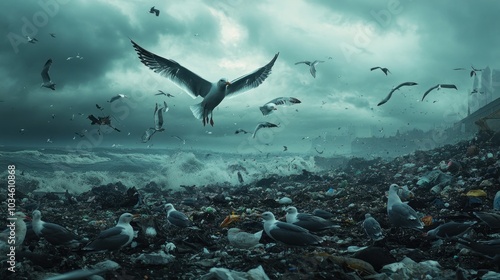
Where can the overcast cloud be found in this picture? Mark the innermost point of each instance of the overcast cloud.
(418, 42)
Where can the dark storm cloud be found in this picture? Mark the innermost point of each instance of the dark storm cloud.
(417, 42)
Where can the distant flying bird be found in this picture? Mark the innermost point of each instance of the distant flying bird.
(49, 141)
(52, 35)
(385, 70)
(160, 92)
(472, 72)
(194, 85)
(77, 57)
(154, 11)
(312, 65)
(99, 107)
(165, 107)
(285, 148)
(394, 89)
(158, 117)
(47, 82)
(183, 140)
(80, 134)
(102, 121)
(116, 97)
(241, 131)
(262, 125)
(272, 105)
(31, 40)
(438, 86)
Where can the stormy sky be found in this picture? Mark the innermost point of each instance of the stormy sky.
(227, 39)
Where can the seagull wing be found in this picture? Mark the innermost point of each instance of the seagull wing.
(262, 125)
(305, 62)
(157, 12)
(374, 68)
(387, 97)
(45, 71)
(429, 90)
(182, 77)
(159, 119)
(114, 98)
(251, 80)
(449, 86)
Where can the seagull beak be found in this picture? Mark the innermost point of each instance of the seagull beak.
(28, 218)
(136, 216)
(228, 83)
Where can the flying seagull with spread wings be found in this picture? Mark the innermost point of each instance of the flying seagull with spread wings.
(312, 66)
(272, 105)
(194, 85)
(393, 90)
(154, 11)
(47, 82)
(263, 125)
(385, 70)
(438, 87)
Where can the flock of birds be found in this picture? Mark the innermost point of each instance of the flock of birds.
(299, 229)
(213, 93)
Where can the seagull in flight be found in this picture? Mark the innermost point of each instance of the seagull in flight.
(154, 11)
(385, 70)
(116, 97)
(31, 40)
(52, 35)
(312, 66)
(438, 87)
(272, 105)
(158, 116)
(241, 131)
(77, 56)
(263, 125)
(160, 92)
(194, 85)
(47, 82)
(394, 89)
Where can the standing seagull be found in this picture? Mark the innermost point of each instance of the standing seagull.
(312, 65)
(116, 237)
(272, 105)
(19, 231)
(262, 125)
(307, 221)
(286, 233)
(47, 82)
(177, 218)
(401, 214)
(394, 89)
(438, 86)
(154, 11)
(372, 228)
(194, 85)
(385, 70)
(53, 233)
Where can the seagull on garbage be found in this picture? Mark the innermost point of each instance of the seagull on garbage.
(116, 237)
(154, 11)
(47, 82)
(177, 218)
(272, 105)
(243, 240)
(372, 228)
(116, 97)
(401, 214)
(194, 85)
(393, 90)
(385, 70)
(286, 233)
(438, 86)
(312, 66)
(263, 125)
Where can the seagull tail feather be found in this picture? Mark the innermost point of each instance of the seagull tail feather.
(197, 110)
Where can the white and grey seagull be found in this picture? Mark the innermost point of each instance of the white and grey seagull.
(262, 125)
(194, 85)
(272, 105)
(47, 82)
(438, 87)
(393, 90)
(312, 66)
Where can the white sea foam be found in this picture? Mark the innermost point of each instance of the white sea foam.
(78, 173)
